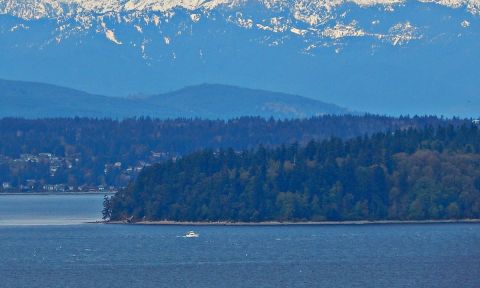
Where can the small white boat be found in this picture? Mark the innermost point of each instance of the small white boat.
(191, 234)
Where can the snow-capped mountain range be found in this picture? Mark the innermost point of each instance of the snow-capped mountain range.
(328, 49)
(312, 20)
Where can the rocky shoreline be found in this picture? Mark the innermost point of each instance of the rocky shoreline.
(286, 223)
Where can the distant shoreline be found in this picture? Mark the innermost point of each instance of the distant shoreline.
(56, 193)
(276, 223)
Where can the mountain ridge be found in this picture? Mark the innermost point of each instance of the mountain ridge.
(244, 100)
(370, 55)
(210, 101)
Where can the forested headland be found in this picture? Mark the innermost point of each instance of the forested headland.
(406, 174)
(81, 154)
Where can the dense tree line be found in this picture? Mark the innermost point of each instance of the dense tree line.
(429, 173)
(91, 144)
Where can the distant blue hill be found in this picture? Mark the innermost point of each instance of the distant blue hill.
(386, 57)
(210, 101)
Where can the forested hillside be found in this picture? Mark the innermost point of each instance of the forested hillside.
(208, 101)
(59, 154)
(429, 173)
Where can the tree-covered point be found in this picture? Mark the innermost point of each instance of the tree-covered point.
(412, 174)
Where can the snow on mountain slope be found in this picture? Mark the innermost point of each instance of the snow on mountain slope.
(371, 55)
(302, 9)
(303, 18)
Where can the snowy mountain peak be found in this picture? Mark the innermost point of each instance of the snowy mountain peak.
(301, 46)
(36, 9)
(317, 23)
(310, 11)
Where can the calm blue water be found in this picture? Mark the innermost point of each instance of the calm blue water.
(50, 209)
(95, 255)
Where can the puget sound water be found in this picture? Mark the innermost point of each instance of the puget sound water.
(43, 243)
